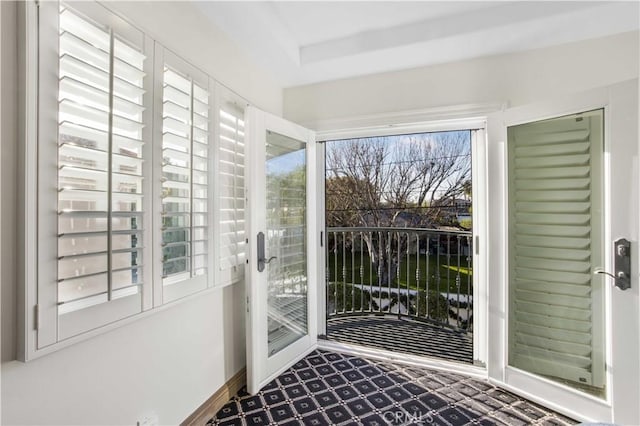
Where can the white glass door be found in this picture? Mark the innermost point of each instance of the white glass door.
(560, 331)
(281, 270)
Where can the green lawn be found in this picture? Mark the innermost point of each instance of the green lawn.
(359, 270)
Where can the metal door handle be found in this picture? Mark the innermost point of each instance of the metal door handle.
(622, 264)
(262, 260)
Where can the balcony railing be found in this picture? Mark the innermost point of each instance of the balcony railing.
(419, 274)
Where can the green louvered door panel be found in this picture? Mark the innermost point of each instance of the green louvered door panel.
(556, 318)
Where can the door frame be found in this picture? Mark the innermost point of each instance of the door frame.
(261, 368)
(463, 117)
(623, 391)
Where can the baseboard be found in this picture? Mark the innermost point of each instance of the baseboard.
(211, 406)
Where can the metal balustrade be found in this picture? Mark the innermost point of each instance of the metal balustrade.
(419, 274)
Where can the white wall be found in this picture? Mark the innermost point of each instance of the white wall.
(171, 361)
(182, 28)
(517, 78)
(167, 364)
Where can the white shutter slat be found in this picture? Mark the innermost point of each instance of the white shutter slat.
(200, 150)
(178, 82)
(200, 94)
(71, 22)
(80, 92)
(230, 169)
(579, 301)
(125, 127)
(78, 48)
(74, 134)
(177, 157)
(546, 321)
(128, 54)
(553, 366)
(201, 123)
(554, 287)
(127, 72)
(553, 344)
(531, 162)
(127, 90)
(552, 196)
(552, 172)
(545, 274)
(552, 184)
(173, 140)
(554, 265)
(78, 266)
(179, 128)
(569, 231)
(552, 311)
(175, 111)
(100, 169)
(553, 150)
(84, 72)
(82, 244)
(200, 108)
(552, 253)
(83, 115)
(77, 178)
(200, 135)
(81, 288)
(185, 180)
(552, 188)
(177, 96)
(82, 200)
(559, 135)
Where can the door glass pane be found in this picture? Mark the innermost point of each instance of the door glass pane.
(556, 302)
(286, 240)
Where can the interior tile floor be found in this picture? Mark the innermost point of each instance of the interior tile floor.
(402, 335)
(328, 388)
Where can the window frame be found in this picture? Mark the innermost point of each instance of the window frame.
(167, 293)
(226, 277)
(54, 327)
(38, 319)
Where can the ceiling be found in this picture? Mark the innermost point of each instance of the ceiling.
(307, 42)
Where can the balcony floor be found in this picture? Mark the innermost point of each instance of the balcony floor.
(401, 335)
(328, 388)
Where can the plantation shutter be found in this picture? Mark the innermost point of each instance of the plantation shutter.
(555, 233)
(100, 197)
(185, 134)
(230, 185)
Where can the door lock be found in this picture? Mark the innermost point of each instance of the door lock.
(621, 264)
(262, 260)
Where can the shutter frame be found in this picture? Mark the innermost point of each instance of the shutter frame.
(168, 101)
(556, 198)
(230, 187)
(68, 240)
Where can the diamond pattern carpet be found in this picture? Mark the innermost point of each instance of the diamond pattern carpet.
(328, 388)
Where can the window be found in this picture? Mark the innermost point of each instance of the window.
(93, 202)
(129, 176)
(231, 196)
(185, 182)
(99, 165)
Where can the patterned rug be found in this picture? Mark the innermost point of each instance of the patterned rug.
(328, 388)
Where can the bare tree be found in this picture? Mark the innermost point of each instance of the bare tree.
(409, 181)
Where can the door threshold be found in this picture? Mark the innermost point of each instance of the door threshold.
(477, 372)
